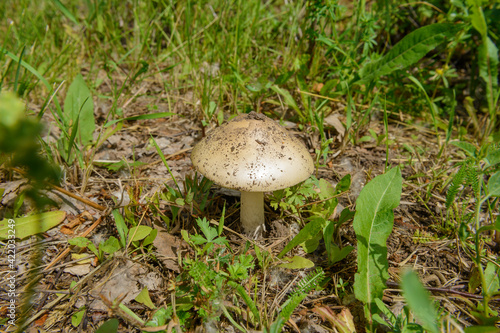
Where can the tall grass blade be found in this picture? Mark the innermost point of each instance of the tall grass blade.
(18, 70)
(65, 11)
(409, 50)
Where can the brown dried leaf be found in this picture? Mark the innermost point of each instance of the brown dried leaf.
(167, 247)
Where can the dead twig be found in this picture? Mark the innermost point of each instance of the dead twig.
(68, 250)
(68, 193)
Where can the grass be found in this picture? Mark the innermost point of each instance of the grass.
(406, 80)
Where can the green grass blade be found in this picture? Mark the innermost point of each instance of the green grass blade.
(164, 160)
(18, 70)
(373, 223)
(29, 68)
(141, 117)
(71, 141)
(37, 75)
(409, 50)
(65, 11)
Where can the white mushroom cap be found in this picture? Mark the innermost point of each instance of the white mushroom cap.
(252, 153)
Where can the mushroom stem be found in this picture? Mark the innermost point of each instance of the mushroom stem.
(252, 211)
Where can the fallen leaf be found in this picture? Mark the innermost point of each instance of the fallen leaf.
(167, 247)
(78, 270)
(40, 321)
(11, 190)
(333, 120)
(125, 282)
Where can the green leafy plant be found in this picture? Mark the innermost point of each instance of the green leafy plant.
(408, 51)
(419, 315)
(210, 276)
(312, 281)
(76, 122)
(373, 223)
(320, 225)
(109, 246)
(478, 174)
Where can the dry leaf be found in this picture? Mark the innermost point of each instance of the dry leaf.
(125, 281)
(333, 120)
(78, 270)
(167, 247)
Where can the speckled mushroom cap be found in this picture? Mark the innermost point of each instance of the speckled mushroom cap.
(252, 153)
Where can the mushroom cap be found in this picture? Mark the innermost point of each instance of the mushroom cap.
(252, 153)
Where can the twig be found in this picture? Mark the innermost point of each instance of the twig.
(444, 290)
(65, 252)
(68, 193)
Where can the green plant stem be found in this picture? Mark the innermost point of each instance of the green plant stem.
(478, 246)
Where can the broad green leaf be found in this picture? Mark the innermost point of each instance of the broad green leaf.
(493, 226)
(138, 233)
(477, 17)
(419, 301)
(288, 99)
(121, 227)
(312, 244)
(160, 317)
(326, 189)
(209, 232)
(77, 317)
(84, 242)
(30, 225)
(79, 241)
(79, 107)
(110, 246)
(491, 279)
(297, 262)
(493, 158)
(488, 62)
(344, 184)
(328, 232)
(468, 148)
(409, 50)
(309, 231)
(151, 237)
(382, 308)
(144, 298)
(494, 185)
(110, 326)
(337, 254)
(373, 223)
(481, 329)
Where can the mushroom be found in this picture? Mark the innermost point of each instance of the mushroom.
(252, 154)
